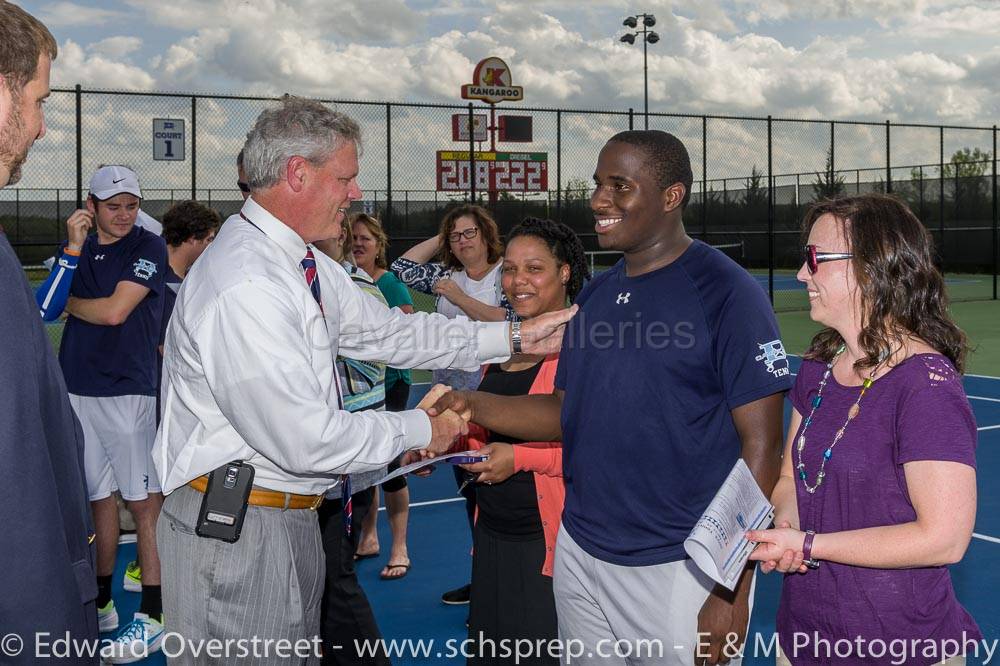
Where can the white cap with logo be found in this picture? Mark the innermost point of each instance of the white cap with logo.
(112, 180)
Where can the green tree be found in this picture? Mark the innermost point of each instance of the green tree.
(828, 184)
(966, 163)
(577, 189)
(754, 194)
(965, 174)
(969, 163)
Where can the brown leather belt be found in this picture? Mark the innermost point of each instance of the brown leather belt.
(271, 498)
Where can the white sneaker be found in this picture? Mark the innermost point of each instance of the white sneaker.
(107, 618)
(137, 640)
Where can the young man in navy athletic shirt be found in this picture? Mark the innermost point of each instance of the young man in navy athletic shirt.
(111, 285)
(670, 372)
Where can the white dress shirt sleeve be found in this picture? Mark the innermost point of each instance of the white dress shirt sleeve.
(258, 368)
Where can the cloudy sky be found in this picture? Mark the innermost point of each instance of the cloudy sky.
(917, 60)
(931, 61)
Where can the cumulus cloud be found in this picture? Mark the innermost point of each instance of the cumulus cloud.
(708, 60)
(86, 65)
(954, 23)
(757, 11)
(69, 14)
(391, 21)
(116, 48)
(711, 58)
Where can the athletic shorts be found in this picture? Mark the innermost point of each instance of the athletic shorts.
(118, 435)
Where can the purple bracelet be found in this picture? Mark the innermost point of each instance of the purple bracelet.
(807, 547)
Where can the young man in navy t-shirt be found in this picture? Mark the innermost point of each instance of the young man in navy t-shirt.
(111, 285)
(671, 371)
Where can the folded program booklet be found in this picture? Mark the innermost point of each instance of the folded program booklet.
(718, 543)
(460, 458)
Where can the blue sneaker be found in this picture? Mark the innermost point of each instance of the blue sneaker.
(137, 640)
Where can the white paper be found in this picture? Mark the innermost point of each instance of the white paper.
(718, 543)
(420, 464)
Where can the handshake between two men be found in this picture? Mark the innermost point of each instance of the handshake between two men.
(451, 411)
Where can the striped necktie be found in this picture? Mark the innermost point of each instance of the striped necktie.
(312, 279)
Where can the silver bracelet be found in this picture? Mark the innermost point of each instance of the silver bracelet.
(515, 336)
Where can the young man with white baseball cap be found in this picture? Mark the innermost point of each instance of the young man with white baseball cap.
(111, 283)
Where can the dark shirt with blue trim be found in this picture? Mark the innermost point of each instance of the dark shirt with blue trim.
(48, 558)
(104, 361)
(652, 367)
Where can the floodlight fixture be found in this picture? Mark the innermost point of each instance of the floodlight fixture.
(648, 37)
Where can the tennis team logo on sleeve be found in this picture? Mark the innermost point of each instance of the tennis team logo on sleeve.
(144, 269)
(774, 357)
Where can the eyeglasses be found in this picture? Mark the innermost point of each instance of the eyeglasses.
(469, 233)
(244, 187)
(813, 259)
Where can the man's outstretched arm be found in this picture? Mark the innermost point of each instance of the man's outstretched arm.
(532, 418)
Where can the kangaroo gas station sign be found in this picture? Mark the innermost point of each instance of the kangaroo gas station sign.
(491, 83)
(492, 170)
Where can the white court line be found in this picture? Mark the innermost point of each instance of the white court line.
(985, 538)
(414, 505)
(981, 376)
(993, 427)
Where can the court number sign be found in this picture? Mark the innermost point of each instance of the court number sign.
(168, 139)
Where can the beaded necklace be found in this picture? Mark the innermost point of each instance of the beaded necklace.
(851, 414)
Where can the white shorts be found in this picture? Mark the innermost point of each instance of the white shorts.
(629, 616)
(118, 435)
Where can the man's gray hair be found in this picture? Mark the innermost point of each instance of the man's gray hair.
(300, 127)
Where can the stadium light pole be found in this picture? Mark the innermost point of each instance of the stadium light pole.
(648, 37)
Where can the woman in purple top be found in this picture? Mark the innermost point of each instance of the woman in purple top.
(878, 484)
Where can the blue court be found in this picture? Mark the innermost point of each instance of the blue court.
(439, 547)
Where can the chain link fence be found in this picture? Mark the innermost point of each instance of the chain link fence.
(753, 177)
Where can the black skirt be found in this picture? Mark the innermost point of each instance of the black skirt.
(511, 600)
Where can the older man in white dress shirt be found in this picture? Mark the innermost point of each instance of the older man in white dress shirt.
(249, 375)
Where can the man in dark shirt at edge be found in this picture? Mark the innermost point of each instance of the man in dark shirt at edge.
(47, 560)
(672, 371)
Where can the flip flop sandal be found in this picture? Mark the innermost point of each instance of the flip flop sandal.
(390, 567)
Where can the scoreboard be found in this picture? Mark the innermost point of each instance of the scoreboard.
(494, 171)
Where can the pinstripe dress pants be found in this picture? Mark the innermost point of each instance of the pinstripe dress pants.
(244, 597)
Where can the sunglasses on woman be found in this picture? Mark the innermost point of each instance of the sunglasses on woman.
(469, 233)
(813, 258)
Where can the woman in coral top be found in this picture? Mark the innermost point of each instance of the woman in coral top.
(519, 493)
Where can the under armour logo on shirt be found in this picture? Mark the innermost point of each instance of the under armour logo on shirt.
(623, 298)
